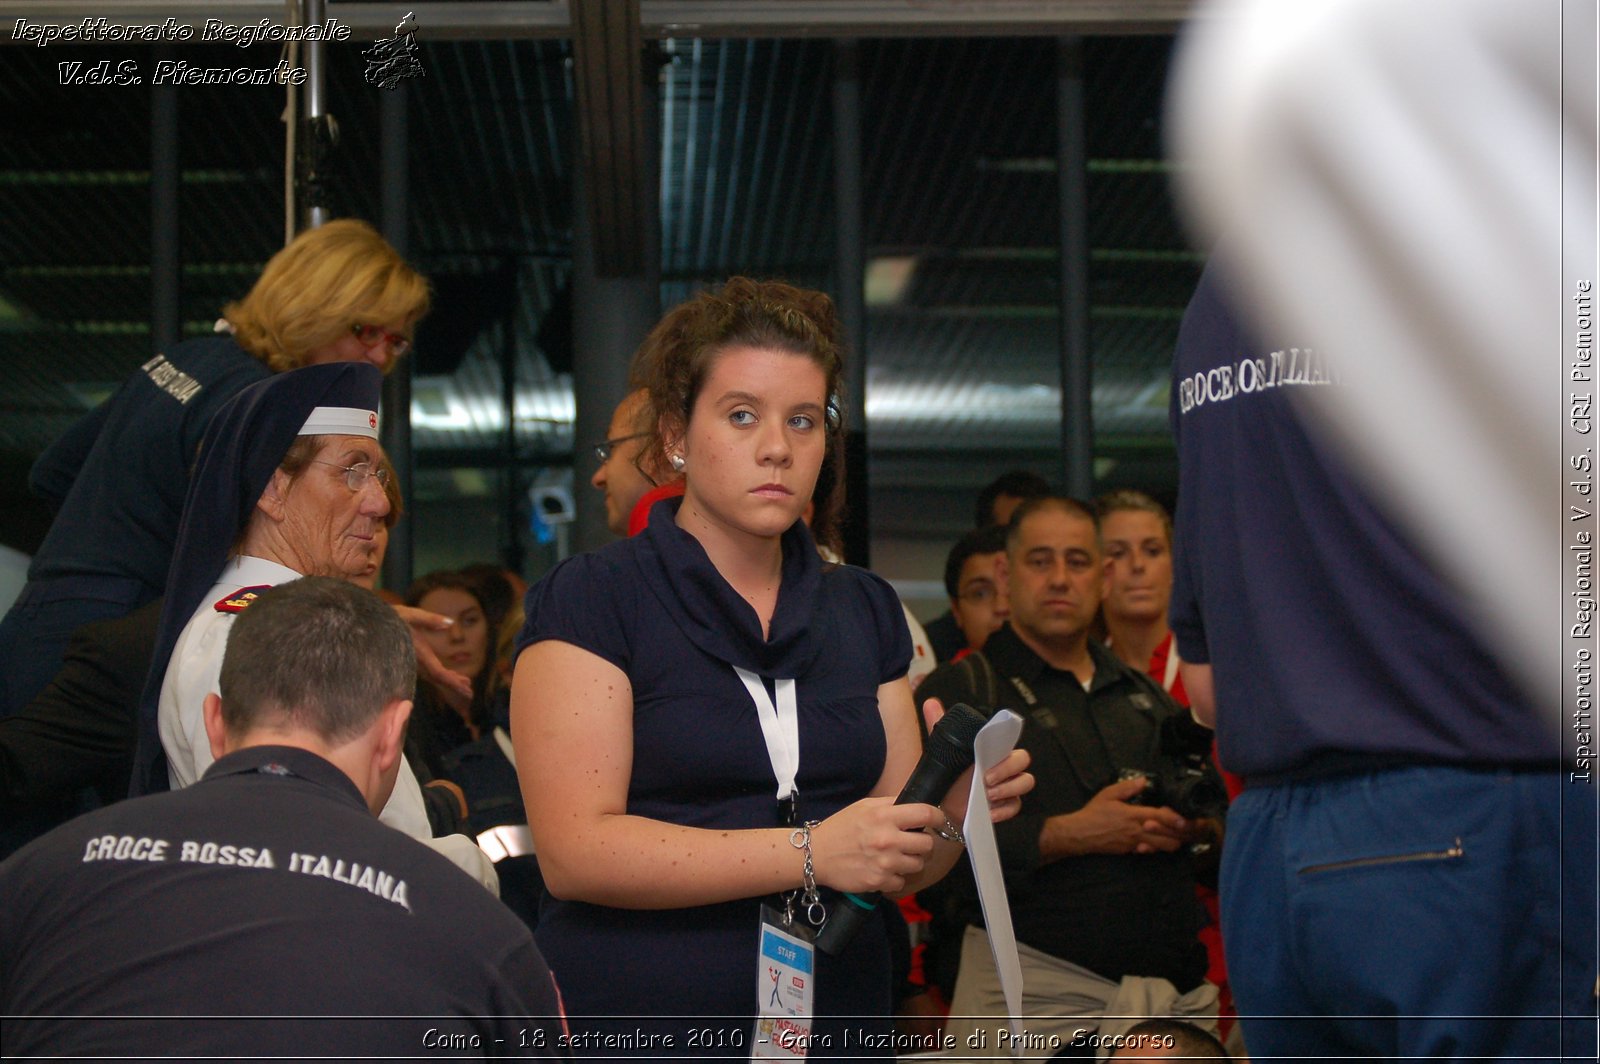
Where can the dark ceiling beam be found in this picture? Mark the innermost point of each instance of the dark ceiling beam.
(1108, 445)
(535, 19)
(493, 457)
(78, 272)
(474, 19)
(909, 18)
(1034, 311)
(103, 327)
(81, 178)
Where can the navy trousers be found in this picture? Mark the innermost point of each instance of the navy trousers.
(1429, 912)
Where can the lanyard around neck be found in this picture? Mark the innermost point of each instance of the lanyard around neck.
(780, 727)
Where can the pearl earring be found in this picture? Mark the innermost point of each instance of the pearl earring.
(676, 462)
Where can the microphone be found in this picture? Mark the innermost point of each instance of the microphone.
(946, 755)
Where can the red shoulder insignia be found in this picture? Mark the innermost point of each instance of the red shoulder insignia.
(241, 598)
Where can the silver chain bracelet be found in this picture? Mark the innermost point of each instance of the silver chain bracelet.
(950, 833)
(800, 839)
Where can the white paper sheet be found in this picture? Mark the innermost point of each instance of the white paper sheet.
(991, 746)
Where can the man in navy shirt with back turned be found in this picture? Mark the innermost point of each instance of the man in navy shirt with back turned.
(1409, 871)
(266, 910)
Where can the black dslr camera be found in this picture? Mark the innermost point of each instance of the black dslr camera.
(1184, 780)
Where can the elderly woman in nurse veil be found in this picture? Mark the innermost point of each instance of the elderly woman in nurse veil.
(289, 483)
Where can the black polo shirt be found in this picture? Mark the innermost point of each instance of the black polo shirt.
(263, 911)
(1115, 914)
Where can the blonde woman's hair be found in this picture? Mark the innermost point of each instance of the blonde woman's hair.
(324, 282)
(1122, 499)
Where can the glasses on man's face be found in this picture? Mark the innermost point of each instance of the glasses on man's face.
(603, 449)
(355, 476)
(371, 335)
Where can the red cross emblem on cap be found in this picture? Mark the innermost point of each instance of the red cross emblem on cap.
(372, 419)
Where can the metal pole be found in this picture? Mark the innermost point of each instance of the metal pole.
(849, 267)
(166, 267)
(1077, 413)
(317, 141)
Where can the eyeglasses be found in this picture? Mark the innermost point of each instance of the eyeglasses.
(370, 335)
(355, 476)
(603, 449)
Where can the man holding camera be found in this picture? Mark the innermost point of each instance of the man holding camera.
(1100, 863)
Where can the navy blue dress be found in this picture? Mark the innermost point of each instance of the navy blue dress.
(655, 607)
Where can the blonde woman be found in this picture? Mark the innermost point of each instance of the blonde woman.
(338, 293)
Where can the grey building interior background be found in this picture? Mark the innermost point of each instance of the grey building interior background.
(981, 185)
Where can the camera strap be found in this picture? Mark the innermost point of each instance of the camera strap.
(990, 697)
(1076, 735)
